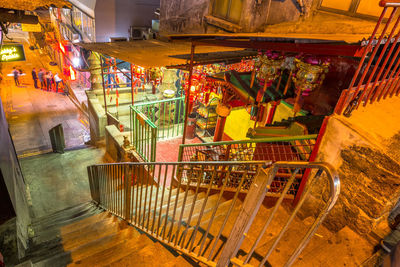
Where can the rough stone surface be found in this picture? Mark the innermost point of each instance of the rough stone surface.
(189, 16)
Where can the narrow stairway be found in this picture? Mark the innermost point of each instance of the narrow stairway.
(86, 235)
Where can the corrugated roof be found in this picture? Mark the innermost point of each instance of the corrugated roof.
(156, 53)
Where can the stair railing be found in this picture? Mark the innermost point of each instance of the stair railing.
(286, 148)
(209, 223)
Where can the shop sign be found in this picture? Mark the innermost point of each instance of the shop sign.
(10, 53)
(31, 27)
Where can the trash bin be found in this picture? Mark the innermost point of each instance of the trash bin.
(57, 139)
(191, 126)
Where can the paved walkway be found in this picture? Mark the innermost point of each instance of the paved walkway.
(58, 181)
(31, 112)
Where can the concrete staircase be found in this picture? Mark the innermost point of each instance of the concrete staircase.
(86, 235)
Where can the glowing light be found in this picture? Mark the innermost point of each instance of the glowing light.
(72, 74)
(192, 88)
(61, 48)
(76, 62)
(9, 54)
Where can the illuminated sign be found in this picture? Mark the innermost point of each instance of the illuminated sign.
(31, 27)
(10, 53)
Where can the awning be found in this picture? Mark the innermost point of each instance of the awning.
(277, 37)
(316, 44)
(156, 53)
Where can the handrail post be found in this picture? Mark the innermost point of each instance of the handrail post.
(128, 190)
(249, 210)
(180, 155)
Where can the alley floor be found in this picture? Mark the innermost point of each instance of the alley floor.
(54, 181)
(58, 181)
(31, 112)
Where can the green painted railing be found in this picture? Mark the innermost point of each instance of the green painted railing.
(290, 148)
(143, 135)
(167, 115)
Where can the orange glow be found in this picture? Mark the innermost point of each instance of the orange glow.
(62, 48)
(72, 74)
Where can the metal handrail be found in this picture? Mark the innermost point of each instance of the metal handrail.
(167, 115)
(157, 101)
(261, 186)
(195, 223)
(261, 140)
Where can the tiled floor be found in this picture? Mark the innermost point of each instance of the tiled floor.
(168, 150)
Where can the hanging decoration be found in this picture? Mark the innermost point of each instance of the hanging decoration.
(310, 73)
(267, 68)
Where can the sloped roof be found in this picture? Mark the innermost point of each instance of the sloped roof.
(156, 53)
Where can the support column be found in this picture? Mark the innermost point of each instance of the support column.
(95, 72)
(219, 129)
(188, 93)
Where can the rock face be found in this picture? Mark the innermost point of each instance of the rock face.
(370, 186)
(369, 172)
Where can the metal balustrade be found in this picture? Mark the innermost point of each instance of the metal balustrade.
(208, 223)
(293, 148)
(378, 74)
(167, 114)
(143, 135)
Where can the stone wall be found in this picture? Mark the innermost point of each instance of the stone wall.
(365, 149)
(188, 16)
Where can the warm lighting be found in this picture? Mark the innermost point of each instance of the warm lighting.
(72, 74)
(76, 62)
(62, 48)
(192, 88)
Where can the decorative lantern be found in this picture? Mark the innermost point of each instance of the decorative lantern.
(310, 74)
(268, 68)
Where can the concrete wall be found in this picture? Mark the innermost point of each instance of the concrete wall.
(187, 16)
(97, 117)
(14, 182)
(114, 17)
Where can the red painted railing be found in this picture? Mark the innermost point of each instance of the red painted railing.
(377, 75)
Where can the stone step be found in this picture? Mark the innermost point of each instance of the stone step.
(114, 253)
(92, 232)
(62, 213)
(103, 243)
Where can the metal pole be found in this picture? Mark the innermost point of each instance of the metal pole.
(188, 92)
(132, 84)
(104, 89)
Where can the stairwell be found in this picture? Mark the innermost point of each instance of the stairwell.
(145, 221)
(86, 235)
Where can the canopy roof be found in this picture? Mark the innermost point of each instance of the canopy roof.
(278, 37)
(316, 44)
(156, 53)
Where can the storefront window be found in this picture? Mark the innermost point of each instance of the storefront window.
(228, 9)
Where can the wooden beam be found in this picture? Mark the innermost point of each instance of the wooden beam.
(315, 49)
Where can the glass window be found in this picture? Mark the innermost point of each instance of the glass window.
(228, 9)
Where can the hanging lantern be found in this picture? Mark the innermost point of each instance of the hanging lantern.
(309, 76)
